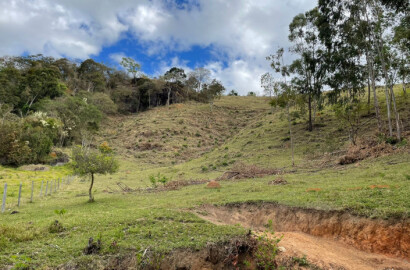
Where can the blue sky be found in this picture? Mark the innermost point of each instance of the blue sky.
(231, 38)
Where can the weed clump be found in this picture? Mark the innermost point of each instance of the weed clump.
(56, 227)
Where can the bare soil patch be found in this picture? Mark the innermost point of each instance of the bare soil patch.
(328, 238)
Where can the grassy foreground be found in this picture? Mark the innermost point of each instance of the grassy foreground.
(161, 221)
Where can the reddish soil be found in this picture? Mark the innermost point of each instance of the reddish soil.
(213, 184)
(330, 239)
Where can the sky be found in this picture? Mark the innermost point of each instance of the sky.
(231, 38)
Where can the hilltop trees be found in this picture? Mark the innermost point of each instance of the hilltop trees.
(78, 95)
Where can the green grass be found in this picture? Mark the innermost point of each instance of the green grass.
(162, 221)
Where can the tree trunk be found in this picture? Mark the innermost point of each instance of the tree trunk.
(310, 113)
(396, 113)
(378, 40)
(290, 135)
(368, 94)
(91, 188)
(169, 96)
(404, 86)
(373, 85)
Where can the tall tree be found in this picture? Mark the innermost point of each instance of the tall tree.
(268, 83)
(172, 77)
(131, 66)
(202, 75)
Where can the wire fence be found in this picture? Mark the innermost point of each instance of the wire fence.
(34, 191)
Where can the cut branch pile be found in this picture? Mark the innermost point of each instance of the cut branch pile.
(242, 171)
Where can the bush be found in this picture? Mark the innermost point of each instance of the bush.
(104, 103)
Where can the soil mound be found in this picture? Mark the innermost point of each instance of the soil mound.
(213, 184)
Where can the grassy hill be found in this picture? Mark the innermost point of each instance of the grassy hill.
(190, 142)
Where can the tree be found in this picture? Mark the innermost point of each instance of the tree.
(309, 68)
(251, 94)
(212, 91)
(202, 75)
(173, 76)
(87, 161)
(267, 83)
(233, 93)
(131, 66)
(93, 75)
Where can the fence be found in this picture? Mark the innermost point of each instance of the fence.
(49, 187)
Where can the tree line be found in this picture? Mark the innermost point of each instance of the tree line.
(350, 47)
(46, 101)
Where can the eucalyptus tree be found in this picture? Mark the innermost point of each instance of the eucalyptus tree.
(380, 24)
(131, 66)
(268, 83)
(202, 76)
(309, 67)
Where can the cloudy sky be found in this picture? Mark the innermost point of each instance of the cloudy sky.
(229, 37)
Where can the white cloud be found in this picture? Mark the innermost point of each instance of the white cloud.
(241, 33)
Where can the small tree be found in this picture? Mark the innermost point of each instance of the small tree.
(87, 161)
(233, 93)
(212, 91)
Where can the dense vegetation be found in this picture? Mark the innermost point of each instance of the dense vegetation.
(46, 101)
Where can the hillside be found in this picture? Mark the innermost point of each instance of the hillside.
(189, 143)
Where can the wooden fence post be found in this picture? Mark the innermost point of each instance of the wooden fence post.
(41, 188)
(46, 189)
(3, 205)
(51, 188)
(32, 190)
(55, 185)
(18, 202)
(58, 183)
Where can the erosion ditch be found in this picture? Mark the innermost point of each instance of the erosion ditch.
(387, 237)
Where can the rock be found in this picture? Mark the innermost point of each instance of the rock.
(281, 249)
(213, 184)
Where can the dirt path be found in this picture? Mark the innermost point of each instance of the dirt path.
(324, 252)
(331, 254)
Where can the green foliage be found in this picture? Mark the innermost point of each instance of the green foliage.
(78, 117)
(28, 140)
(267, 248)
(301, 261)
(21, 262)
(60, 212)
(159, 178)
(131, 66)
(87, 161)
